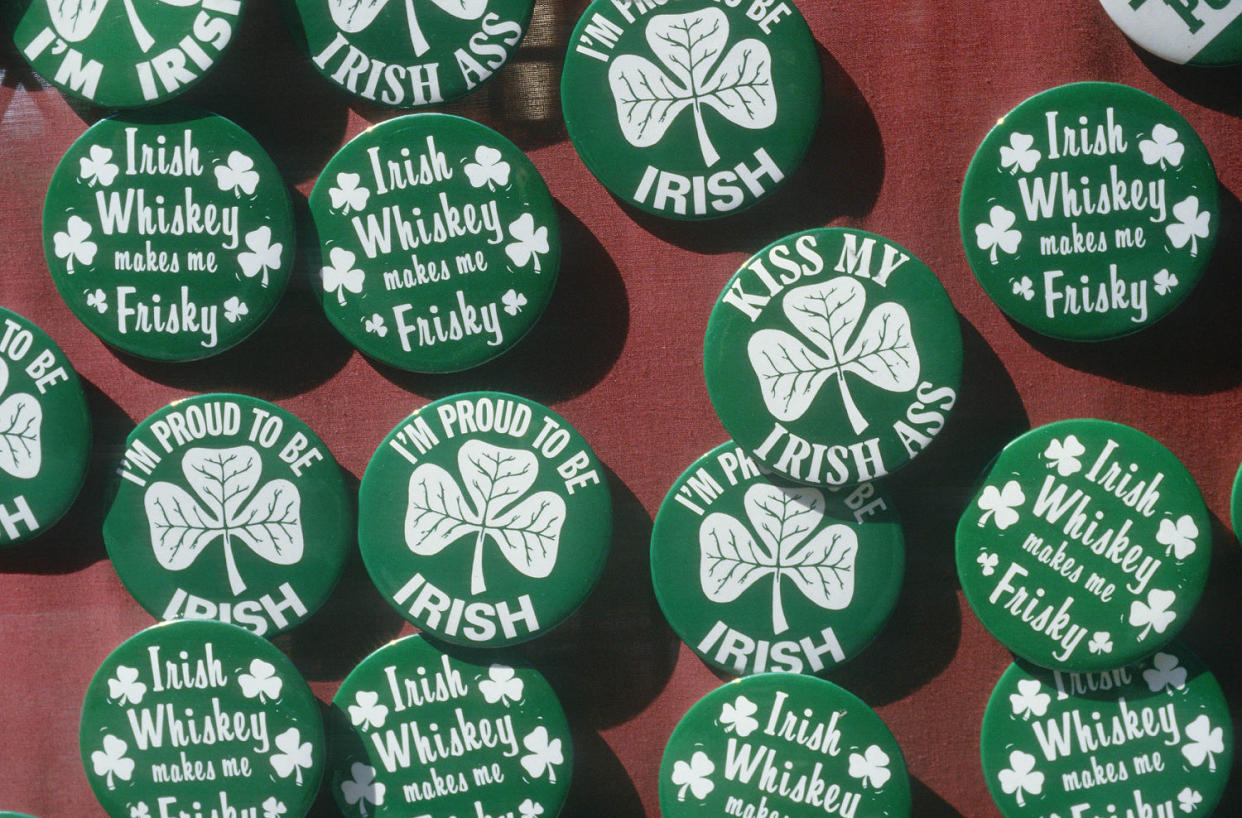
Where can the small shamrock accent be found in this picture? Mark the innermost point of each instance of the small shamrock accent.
(1188, 799)
(1030, 700)
(362, 788)
(488, 168)
(263, 255)
(544, 754)
(1205, 741)
(693, 776)
(1179, 537)
(987, 563)
(234, 309)
(513, 301)
(294, 755)
(98, 299)
(341, 275)
(1101, 642)
(1000, 504)
(125, 688)
(139, 810)
(273, 808)
(261, 681)
(237, 174)
(1162, 147)
(997, 233)
(1164, 282)
(97, 168)
(73, 243)
(739, 717)
(1154, 613)
(111, 761)
(1021, 777)
(870, 767)
(501, 685)
(1165, 672)
(1019, 154)
(1024, 287)
(1191, 225)
(1063, 455)
(348, 196)
(375, 325)
(529, 242)
(529, 809)
(366, 711)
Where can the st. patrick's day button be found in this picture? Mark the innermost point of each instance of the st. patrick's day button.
(421, 732)
(168, 233)
(691, 109)
(45, 431)
(758, 574)
(485, 519)
(1208, 33)
(196, 718)
(439, 243)
(833, 356)
(123, 54)
(230, 508)
(408, 54)
(1087, 546)
(1149, 739)
(776, 744)
(1090, 211)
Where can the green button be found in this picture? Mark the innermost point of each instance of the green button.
(691, 109)
(1191, 32)
(45, 430)
(1090, 211)
(1086, 548)
(779, 744)
(438, 242)
(168, 233)
(229, 508)
(411, 54)
(756, 574)
(123, 54)
(485, 519)
(1151, 739)
(190, 718)
(418, 732)
(833, 356)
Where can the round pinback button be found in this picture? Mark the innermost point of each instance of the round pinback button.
(485, 519)
(229, 508)
(1185, 33)
(757, 574)
(691, 109)
(1154, 738)
(200, 717)
(439, 243)
(123, 54)
(409, 55)
(1086, 548)
(1090, 211)
(780, 744)
(45, 431)
(833, 356)
(417, 731)
(168, 233)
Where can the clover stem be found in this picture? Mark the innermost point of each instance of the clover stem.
(340, 295)
(779, 623)
(851, 409)
(145, 41)
(235, 581)
(710, 156)
(1021, 800)
(362, 806)
(994, 246)
(416, 32)
(477, 584)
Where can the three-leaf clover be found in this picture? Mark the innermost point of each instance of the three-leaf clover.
(529, 809)
(997, 233)
(488, 168)
(341, 275)
(1154, 613)
(1164, 282)
(1019, 154)
(987, 563)
(261, 682)
(74, 244)
(1179, 537)
(98, 299)
(263, 255)
(1063, 455)
(362, 788)
(366, 711)
(139, 810)
(1021, 777)
(693, 776)
(1001, 504)
(97, 168)
(690, 46)
(1030, 700)
(183, 524)
(543, 754)
(111, 761)
(738, 716)
(1163, 146)
(513, 301)
(1165, 672)
(124, 687)
(235, 309)
(294, 755)
(870, 767)
(273, 808)
(75, 20)
(1192, 224)
(348, 195)
(1188, 799)
(1024, 287)
(21, 431)
(1203, 742)
(1101, 642)
(237, 174)
(353, 16)
(820, 566)
(829, 315)
(527, 529)
(529, 242)
(501, 685)
(375, 325)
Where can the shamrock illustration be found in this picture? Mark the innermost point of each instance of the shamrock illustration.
(693, 776)
(513, 301)
(1030, 700)
(348, 196)
(362, 788)
(488, 168)
(1063, 455)
(111, 761)
(182, 527)
(1162, 147)
(1154, 613)
(501, 685)
(1101, 642)
(987, 563)
(870, 767)
(1024, 288)
(529, 242)
(97, 168)
(543, 754)
(294, 755)
(21, 424)
(1165, 672)
(73, 243)
(273, 808)
(75, 20)
(828, 314)
(820, 566)
(739, 716)
(353, 16)
(98, 299)
(1188, 799)
(366, 711)
(235, 309)
(1001, 505)
(139, 810)
(1191, 225)
(689, 45)
(996, 233)
(1164, 282)
(529, 809)
(237, 174)
(125, 688)
(527, 530)
(1179, 537)
(1203, 742)
(375, 325)
(1021, 776)
(261, 681)
(262, 256)
(341, 275)
(1019, 154)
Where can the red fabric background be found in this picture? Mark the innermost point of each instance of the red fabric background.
(912, 88)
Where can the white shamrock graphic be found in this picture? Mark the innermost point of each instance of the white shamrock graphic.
(75, 20)
(1165, 672)
(261, 681)
(527, 529)
(529, 809)
(21, 424)
(1188, 799)
(1001, 505)
(997, 233)
(543, 755)
(690, 45)
(1154, 613)
(124, 687)
(74, 244)
(529, 242)
(820, 566)
(501, 685)
(263, 255)
(870, 767)
(375, 325)
(97, 168)
(738, 716)
(1063, 455)
(1021, 777)
(1101, 642)
(1018, 154)
(1191, 224)
(183, 525)
(235, 309)
(1024, 287)
(341, 275)
(1164, 282)
(1030, 700)
(98, 299)
(1203, 743)
(362, 788)
(111, 761)
(1179, 537)
(987, 563)
(353, 16)
(1162, 147)
(140, 810)
(349, 196)
(829, 314)
(294, 755)
(273, 808)
(513, 301)
(693, 776)
(237, 174)
(488, 168)
(366, 711)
